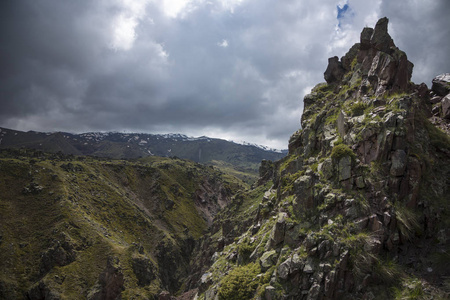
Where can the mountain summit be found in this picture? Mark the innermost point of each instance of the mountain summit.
(359, 208)
(376, 61)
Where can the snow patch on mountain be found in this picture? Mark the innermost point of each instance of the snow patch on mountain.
(262, 147)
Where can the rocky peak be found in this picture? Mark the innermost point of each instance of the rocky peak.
(380, 39)
(357, 208)
(375, 64)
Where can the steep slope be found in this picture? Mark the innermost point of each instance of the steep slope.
(79, 227)
(359, 209)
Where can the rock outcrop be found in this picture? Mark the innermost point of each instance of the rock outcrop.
(357, 208)
(378, 63)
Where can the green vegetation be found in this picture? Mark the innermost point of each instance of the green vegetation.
(245, 249)
(357, 109)
(65, 217)
(389, 272)
(239, 160)
(411, 289)
(287, 181)
(408, 221)
(324, 90)
(248, 176)
(438, 138)
(354, 62)
(341, 150)
(240, 283)
(332, 117)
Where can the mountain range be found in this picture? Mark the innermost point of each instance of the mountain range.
(237, 157)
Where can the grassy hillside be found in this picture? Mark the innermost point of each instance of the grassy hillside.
(76, 226)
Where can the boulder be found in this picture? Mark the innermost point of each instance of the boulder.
(345, 168)
(445, 104)
(283, 269)
(361, 223)
(360, 182)
(308, 268)
(164, 295)
(335, 71)
(441, 84)
(270, 293)
(277, 233)
(267, 260)
(435, 99)
(289, 267)
(304, 193)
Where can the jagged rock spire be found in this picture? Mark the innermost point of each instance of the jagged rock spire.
(376, 60)
(380, 39)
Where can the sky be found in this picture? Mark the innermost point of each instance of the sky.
(231, 69)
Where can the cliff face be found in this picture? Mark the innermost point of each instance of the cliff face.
(359, 209)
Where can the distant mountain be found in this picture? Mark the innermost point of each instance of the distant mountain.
(243, 157)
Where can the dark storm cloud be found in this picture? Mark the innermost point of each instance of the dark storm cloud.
(422, 30)
(231, 69)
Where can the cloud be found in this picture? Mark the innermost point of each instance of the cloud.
(233, 69)
(421, 29)
(223, 43)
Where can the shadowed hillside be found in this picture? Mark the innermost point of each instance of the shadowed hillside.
(77, 226)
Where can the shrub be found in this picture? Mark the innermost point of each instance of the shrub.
(357, 109)
(246, 249)
(240, 283)
(340, 151)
